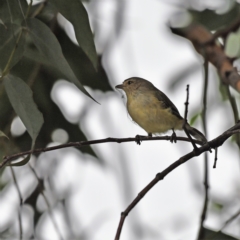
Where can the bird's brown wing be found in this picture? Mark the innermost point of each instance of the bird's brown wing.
(166, 103)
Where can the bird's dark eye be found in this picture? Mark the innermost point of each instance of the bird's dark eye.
(129, 82)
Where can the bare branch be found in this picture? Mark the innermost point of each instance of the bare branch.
(215, 54)
(80, 144)
(213, 144)
(205, 182)
(226, 31)
(185, 119)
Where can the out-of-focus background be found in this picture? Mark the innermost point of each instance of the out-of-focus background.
(85, 190)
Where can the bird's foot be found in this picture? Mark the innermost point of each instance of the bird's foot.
(139, 139)
(173, 138)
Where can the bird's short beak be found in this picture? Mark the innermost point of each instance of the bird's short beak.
(119, 86)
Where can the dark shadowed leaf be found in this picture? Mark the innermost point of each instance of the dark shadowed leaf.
(2, 134)
(78, 61)
(43, 82)
(210, 234)
(9, 34)
(213, 21)
(77, 15)
(49, 46)
(13, 10)
(81, 65)
(32, 200)
(20, 96)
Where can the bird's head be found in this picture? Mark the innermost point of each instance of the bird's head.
(134, 84)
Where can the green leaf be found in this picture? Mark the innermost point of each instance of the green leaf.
(2, 134)
(22, 162)
(77, 15)
(78, 61)
(13, 10)
(232, 46)
(42, 87)
(194, 118)
(9, 34)
(20, 96)
(213, 21)
(81, 64)
(49, 46)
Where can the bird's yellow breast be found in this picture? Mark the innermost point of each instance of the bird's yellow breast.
(147, 111)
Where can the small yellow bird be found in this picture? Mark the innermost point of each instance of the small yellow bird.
(152, 110)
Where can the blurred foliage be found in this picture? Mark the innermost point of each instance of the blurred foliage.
(213, 21)
(210, 234)
(36, 52)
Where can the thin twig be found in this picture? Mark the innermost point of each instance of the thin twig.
(233, 217)
(160, 176)
(205, 182)
(234, 107)
(185, 119)
(215, 158)
(48, 204)
(21, 202)
(224, 32)
(80, 144)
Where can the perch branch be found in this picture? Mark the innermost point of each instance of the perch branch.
(160, 176)
(80, 144)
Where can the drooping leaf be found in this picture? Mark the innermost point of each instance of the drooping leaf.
(2, 134)
(78, 61)
(77, 15)
(81, 65)
(20, 96)
(213, 21)
(9, 44)
(48, 45)
(22, 162)
(13, 10)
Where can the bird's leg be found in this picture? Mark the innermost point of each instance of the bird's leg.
(173, 138)
(139, 138)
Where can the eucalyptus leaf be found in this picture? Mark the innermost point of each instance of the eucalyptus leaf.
(13, 10)
(20, 96)
(48, 45)
(9, 44)
(77, 15)
(22, 162)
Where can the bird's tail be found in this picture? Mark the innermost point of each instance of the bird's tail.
(195, 133)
